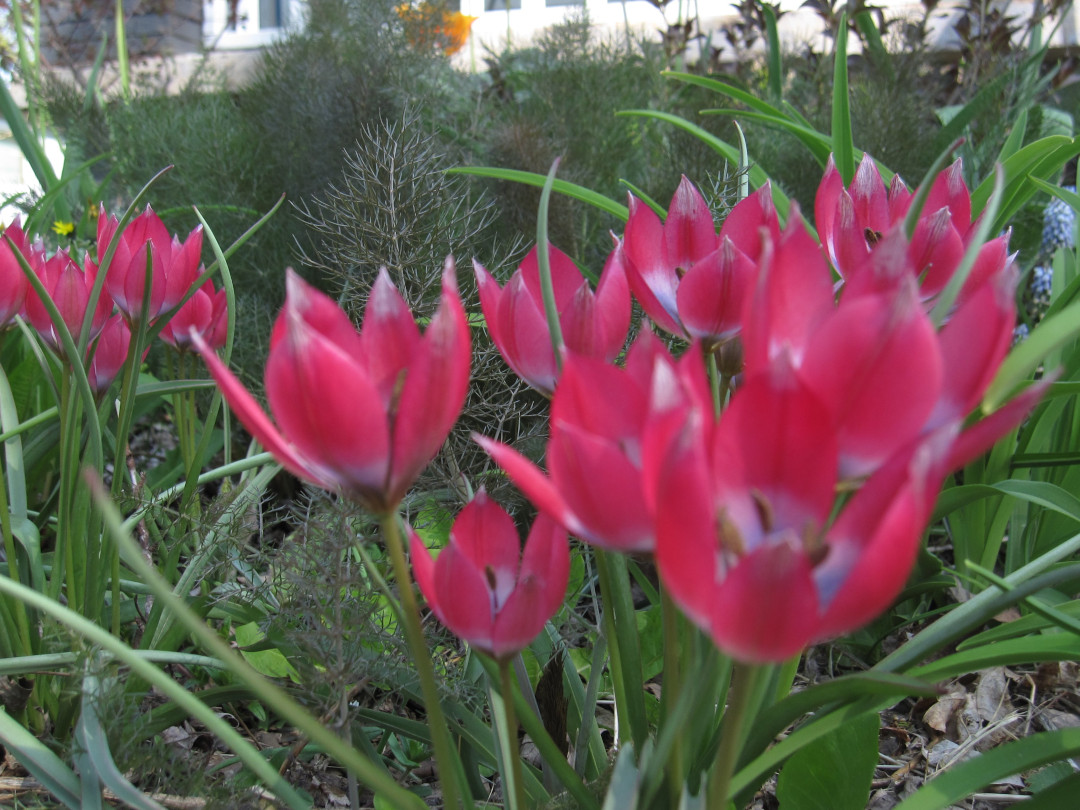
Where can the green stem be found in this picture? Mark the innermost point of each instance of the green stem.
(673, 683)
(615, 590)
(506, 729)
(739, 700)
(425, 670)
(543, 260)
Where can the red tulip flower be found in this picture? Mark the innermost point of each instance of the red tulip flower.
(357, 413)
(746, 540)
(484, 587)
(852, 221)
(69, 286)
(605, 424)
(13, 282)
(593, 324)
(690, 281)
(108, 354)
(205, 313)
(175, 266)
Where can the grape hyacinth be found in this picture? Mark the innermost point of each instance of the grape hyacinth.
(1059, 225)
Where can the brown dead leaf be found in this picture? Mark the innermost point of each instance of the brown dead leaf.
(992, 701)
(944, 710)
(1009, 614)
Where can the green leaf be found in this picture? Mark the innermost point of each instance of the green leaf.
(1049, 336)
(843, 148)
(1040, 493)
(730, 153)
(622, 791)
(91, 736)
(848, 688)
(835, 772)
(1027, 650)
(1061, 795)
(960, 782)
(270, 663)
(572, 190)
(41, 762)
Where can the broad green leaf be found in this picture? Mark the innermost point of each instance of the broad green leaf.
(1041, 493)
(91, 736)
(969, 777)
(270, 663)
(834, 773)
(846, 689)
(1050, 335)
(1061, 795)
(1024, 626)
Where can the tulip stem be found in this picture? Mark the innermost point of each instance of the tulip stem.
(740, 697)
(507, 728)
(543, 261)
(718, 383)
(425, 670)
(673, 682)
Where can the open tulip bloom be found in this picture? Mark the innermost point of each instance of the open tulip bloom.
(360, 413)
(484, 587)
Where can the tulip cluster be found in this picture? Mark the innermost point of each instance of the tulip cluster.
(787, 506)
(173, 269)
(784, 497)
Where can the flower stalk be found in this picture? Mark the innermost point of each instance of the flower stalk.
(425, 670)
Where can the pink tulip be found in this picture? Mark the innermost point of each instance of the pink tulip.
(605, 423)
(593, 324)
(484, 587)
(108, 354)
(175, 266)
(746, 540)
(205, 313)
(357, 413)
(13, 283)
(69, 287)
(851, 221)
(690, 281)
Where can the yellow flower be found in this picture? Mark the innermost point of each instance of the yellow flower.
(63, 228)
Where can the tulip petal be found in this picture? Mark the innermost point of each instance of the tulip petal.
(712, 295)
(390, 338)
(257, 422)
(766, 609)
(327, 405)
(434, 390)
(485, 534)
(536, 486)
(464, 598)
(602, 488)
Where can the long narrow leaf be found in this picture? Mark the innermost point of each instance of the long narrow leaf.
(41, 762)
(571, 190)
(843, 149)
(730, 153)
(956, 784)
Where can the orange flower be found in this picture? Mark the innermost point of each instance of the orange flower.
(456, 27)
(430, 25)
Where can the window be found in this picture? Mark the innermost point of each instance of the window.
(500, 5)
(246, 23)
